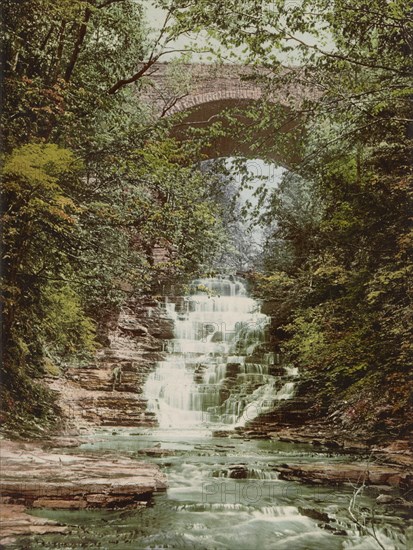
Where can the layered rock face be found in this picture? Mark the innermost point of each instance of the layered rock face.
(354, 473)
(42, 479)
(109, 392)
(31, 476)
(292, 412)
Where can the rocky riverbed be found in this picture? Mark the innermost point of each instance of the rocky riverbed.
(32, 476)
(215, 482)
(109, 393)
(14, 521)
(381, 465)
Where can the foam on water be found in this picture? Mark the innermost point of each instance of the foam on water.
(217, 329)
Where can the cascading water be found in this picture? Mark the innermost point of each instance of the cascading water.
(216, 370)
(224, 493)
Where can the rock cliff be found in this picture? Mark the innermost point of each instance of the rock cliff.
(109, 391)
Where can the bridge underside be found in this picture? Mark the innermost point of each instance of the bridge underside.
(246, 137)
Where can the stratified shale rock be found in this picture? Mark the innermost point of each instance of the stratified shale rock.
(14, 521)
(32, 477)
(352, 473)
(109, 392)
(39, 479)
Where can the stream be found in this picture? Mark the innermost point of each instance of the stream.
(224, 493)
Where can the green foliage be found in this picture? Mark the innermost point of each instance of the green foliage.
(90, 190)
(67, 332)
(92, 185)
(60, 58)
(40, 212)
(307, 344)
(39, 216)
(336, 261)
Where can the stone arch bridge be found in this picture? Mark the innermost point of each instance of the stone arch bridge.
(203, 91)
(172, 88)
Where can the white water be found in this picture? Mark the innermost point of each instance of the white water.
(211, 376)
(223, 493)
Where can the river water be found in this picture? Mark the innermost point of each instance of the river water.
(224, 493)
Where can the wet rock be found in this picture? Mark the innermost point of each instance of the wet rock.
(234, 471)
(385, 499)
(314, 514)
(33, 477)
(222, 433)
(238, 472)
(394, 501)
(288, 413)
(328, 443)
(288, 438)
(63, 442)
(156, 452)
(403, 503)
(15, 522)
(276, 370)
(199, 373)
(355, 473)
(232, 369)
(334, 530)
(257, 435)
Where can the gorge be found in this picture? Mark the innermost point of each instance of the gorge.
(214, 379)
(207, 331)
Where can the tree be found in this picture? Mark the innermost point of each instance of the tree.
(339, 275)
(40, 212)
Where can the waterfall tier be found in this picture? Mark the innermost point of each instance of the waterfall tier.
(218, 369)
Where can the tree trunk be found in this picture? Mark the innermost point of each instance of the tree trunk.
(55, 72)
(78, 44)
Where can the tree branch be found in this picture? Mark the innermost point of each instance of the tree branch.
(169, 105)
(152, 60)
(345, 58)
(153, 57)
(78, 44)
(125, 81)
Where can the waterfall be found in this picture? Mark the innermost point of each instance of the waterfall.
(218, 368)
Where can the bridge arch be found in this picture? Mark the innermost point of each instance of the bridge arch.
(256, 143)
(210, 91)
(198, 100)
